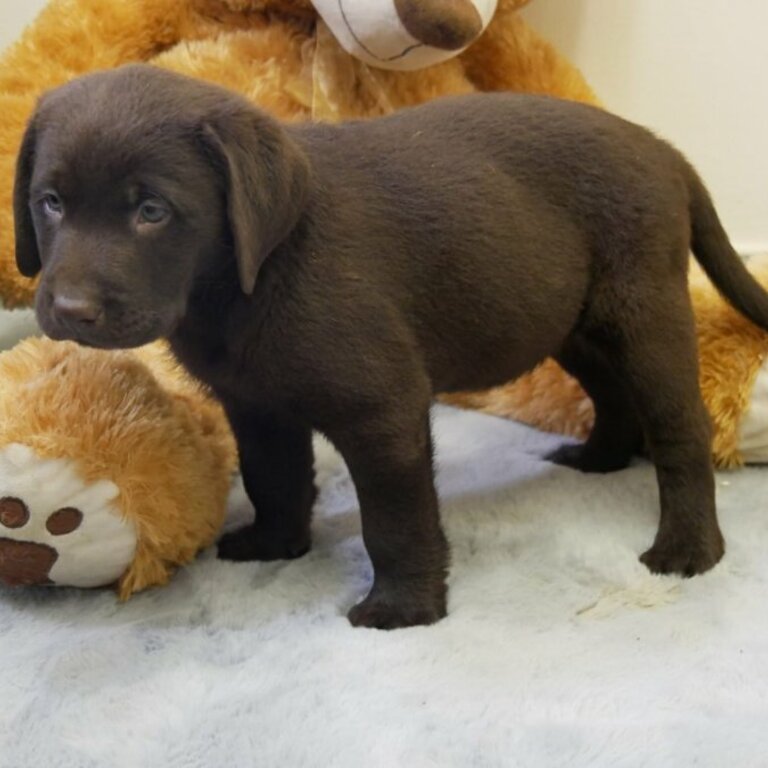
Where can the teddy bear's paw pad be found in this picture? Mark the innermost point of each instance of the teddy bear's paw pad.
(13, 513)
(55, 528)
(23, 563)
(64, 521)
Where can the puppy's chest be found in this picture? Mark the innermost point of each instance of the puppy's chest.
(238, 367)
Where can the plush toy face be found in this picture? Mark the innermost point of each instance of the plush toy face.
(405, 34)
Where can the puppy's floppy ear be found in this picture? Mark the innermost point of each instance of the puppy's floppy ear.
(27, 253)
(266, 177)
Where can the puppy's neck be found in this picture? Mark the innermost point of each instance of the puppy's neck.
(219, 318)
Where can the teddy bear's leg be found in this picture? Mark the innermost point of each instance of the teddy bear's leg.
(616, 434)
(276, 460)
(510, 56)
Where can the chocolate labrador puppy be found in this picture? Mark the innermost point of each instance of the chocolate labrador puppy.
(334, 278)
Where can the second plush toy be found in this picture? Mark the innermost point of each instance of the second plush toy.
(115, 467)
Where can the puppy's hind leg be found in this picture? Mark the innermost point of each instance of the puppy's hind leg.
(616, 434)
(659, 355)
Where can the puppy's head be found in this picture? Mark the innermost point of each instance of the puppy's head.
(134, 186)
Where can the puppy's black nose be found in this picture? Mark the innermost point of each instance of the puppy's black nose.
(76, 309)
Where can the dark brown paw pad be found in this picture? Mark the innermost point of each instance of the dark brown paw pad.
(253, 544)
(581, 458)
(685, 560)
(378, 612)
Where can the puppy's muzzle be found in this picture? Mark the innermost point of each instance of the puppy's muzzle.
(76, 310)
(70, 315)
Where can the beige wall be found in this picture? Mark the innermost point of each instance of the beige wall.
(694, 71)
(14, 15)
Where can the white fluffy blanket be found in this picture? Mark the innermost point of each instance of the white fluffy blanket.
(559, 650)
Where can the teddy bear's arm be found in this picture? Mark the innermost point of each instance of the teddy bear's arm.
(510, 56)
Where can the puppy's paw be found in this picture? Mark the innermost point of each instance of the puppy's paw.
(252, 543)
(685, 558)
(383, 610)
(585, 459)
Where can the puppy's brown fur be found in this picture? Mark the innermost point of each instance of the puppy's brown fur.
(336, 277)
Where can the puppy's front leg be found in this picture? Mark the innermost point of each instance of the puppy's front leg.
(276, 461)
(391, 466)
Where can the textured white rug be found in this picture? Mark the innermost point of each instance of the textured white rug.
(559, 650)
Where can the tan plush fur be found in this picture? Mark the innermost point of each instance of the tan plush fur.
(133, 418)
(731, 352)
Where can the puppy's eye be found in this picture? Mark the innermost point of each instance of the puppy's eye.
(152, 212)
(52, 205)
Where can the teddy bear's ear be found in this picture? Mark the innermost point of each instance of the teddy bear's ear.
(27, 254)
(266, 178)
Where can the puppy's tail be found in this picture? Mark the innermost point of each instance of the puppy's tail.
(724, 267)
